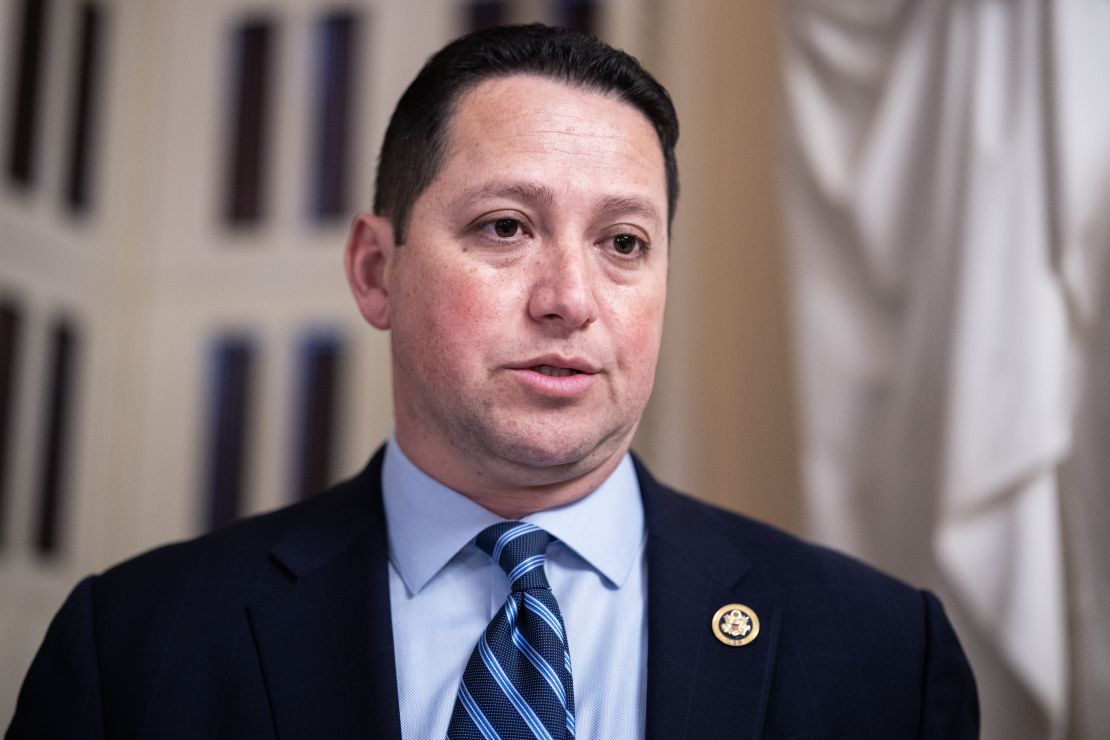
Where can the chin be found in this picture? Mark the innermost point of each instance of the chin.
(559, 453)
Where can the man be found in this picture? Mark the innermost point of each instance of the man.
(518, 256)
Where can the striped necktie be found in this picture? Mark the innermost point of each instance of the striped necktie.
(517, 683)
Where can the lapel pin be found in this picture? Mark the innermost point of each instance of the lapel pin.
(735, 625)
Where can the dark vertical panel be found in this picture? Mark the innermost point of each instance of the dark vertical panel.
(228, 433)
(580, 15)
(26, 87)
(10, 328)
(320, 376)
(336, 45)
(55, 447)
(485, 14)
(86, 76)
(250, 124)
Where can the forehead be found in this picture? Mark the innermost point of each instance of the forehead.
(534, 129)
(513, 101)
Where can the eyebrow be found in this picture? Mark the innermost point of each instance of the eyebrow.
(525, 191)
(630, 205)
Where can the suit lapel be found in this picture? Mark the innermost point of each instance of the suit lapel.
(325, 638)
(698, 686)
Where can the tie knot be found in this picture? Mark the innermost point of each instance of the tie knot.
(520, 549)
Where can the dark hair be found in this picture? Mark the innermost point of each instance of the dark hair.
(416, 140)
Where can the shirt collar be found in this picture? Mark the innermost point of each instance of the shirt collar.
(429, 523)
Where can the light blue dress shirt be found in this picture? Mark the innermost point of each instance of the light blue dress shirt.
(444, 591)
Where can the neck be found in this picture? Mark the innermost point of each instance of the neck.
(509, 490)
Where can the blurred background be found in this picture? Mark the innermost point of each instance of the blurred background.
(886, 328)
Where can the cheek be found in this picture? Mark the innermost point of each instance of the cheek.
(640, 338)
(457, 315)
(472, 305)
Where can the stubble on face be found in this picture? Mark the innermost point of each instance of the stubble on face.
(467, 307)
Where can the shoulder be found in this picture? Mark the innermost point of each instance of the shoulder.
(821, 597)
(868, 654)
(171, 634)
(232, 566)
(769, 552)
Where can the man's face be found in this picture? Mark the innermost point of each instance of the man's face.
(526, 305)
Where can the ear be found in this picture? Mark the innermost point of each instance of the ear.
(368, 260)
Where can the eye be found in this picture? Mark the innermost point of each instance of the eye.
(628, 245)
(503, 230)
(625, 243)
(506, 228)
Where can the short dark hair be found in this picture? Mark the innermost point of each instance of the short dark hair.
(417, 138)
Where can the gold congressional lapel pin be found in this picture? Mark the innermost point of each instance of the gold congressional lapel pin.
(735, 625)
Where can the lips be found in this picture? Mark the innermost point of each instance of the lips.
(553, 371)
(558, 366)
(556, 377)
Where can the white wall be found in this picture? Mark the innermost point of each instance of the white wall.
(153, 275)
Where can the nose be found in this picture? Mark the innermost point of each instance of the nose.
(562, 296)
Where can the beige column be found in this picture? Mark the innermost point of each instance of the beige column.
(722, 423)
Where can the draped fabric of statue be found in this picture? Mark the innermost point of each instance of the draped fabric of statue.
(947, 190)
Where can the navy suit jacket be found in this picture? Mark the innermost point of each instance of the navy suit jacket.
(279, 626)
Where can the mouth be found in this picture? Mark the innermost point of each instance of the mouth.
(554, 371)
(557, 376)
(559, 366)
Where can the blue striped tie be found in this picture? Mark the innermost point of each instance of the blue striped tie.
(517, 683)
